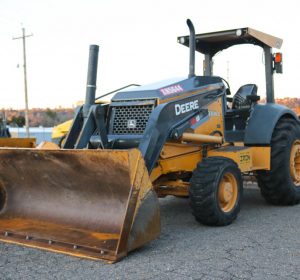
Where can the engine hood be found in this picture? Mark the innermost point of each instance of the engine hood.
(166, 89)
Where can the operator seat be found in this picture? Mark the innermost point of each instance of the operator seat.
(239, 100)
(236, 117)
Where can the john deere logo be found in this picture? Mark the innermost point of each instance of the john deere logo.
(131, 123)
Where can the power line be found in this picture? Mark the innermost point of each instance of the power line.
(23, 37)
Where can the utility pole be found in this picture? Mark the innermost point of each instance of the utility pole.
(25, 78)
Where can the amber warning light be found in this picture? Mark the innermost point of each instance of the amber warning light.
(277, 58)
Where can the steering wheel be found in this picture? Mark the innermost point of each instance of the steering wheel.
(228, 92)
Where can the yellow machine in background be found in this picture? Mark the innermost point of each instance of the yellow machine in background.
(18, 142)
(60, 132)
(7, 141)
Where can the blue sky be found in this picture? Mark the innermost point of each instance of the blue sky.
(138, 44)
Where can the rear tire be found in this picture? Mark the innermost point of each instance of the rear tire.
(216, 191)
(281, 185)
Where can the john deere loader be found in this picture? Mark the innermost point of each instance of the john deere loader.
(97, 197)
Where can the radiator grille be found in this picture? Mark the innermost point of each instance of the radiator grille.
(131, 119)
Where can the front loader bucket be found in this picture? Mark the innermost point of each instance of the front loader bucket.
(97, 204)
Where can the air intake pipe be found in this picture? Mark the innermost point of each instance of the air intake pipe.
(192, 45)
(91, 80)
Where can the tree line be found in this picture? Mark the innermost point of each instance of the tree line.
(37, 117)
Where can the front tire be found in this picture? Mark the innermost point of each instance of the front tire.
(281, 184)
(216, 191)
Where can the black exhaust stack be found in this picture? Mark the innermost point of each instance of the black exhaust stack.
(83, 125)
(192, 45)
(91, 79)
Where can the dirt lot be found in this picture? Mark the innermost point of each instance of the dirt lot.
(264, 243)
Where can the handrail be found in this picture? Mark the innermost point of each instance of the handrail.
(111, 92)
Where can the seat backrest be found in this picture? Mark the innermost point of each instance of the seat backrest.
(239, 100)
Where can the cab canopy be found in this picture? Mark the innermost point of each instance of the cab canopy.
(213, 42)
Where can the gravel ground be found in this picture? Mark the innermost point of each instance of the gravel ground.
(264, 243)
